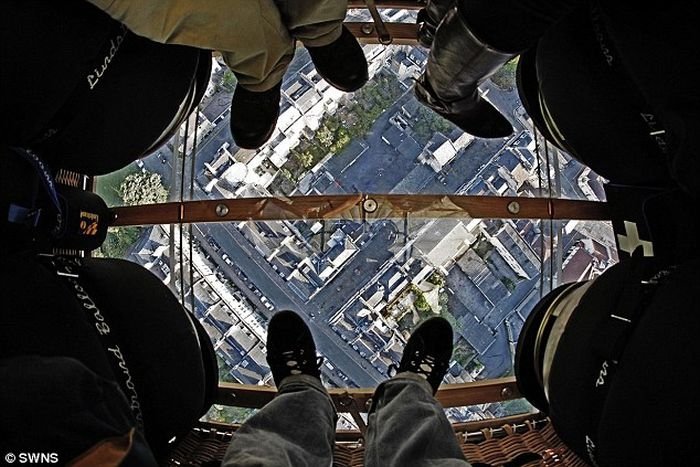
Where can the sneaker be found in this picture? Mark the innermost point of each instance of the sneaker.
(428, 351)
(341, 63)
(254, 116)
(290, 347)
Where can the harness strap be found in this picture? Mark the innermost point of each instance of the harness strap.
(67, 269)
(614, 332)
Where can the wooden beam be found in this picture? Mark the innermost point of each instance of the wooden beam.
(401, 33)
(449, 395)
(360, 207)
(345, 436)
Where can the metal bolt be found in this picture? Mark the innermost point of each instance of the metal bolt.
(367, 29)
(369, 205)
(513, 207)
(221, 210)
(506, 393)
(345, 400)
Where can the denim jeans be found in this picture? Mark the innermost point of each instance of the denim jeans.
(407, 427)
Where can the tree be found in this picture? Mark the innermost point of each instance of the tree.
(228, 80)
(325, 136)
(504, 78)
(428, 123)
(306, 159)
(287, 174)
(341, 141)
(136, 188)
(118, 241)
(437, 278)
(420, 303)
(142, 188)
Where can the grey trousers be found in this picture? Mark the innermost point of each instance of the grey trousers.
(407, 427)
(255, 37)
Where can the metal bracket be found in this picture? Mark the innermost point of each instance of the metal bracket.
(350, 404)
(382, 33)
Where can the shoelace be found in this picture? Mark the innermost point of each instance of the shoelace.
(423, 366)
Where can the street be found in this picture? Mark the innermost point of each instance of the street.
(368, 165)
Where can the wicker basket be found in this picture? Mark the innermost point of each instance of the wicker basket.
(533, 443)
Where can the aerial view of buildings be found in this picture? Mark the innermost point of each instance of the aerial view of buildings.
(364, 284)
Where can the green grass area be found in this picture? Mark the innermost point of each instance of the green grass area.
(119, 240)
(505, 78)
(337, 131)
(107, 186)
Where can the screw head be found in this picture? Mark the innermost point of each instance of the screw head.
(513, 207)
(221, 210)
(506, 393)
(369, 205)
(367, 29)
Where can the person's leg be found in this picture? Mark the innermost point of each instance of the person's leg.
(406, 425)
(457, 64)
(335, 52)
(250, 34)
(314, 22)
(469, 45)
(429, 18)
(297, 428)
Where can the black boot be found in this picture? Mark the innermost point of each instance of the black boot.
(457, 64)
(429, 18)
(342, 63)
(428, 351)
(254, 116)
(290, 347)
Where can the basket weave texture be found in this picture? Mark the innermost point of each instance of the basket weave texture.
(203, 447)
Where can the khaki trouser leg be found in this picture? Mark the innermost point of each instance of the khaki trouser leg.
(253, 36)
(314, 22)
(250, 35)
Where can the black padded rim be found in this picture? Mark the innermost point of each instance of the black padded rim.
(524, 365)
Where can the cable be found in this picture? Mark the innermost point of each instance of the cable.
(551, 222)
(191, 197)
(537, 136)
(181, 253)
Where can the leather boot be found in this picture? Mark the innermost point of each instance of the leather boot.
(429, 18)
(341, 63)
(457, 64)
(254, 116)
